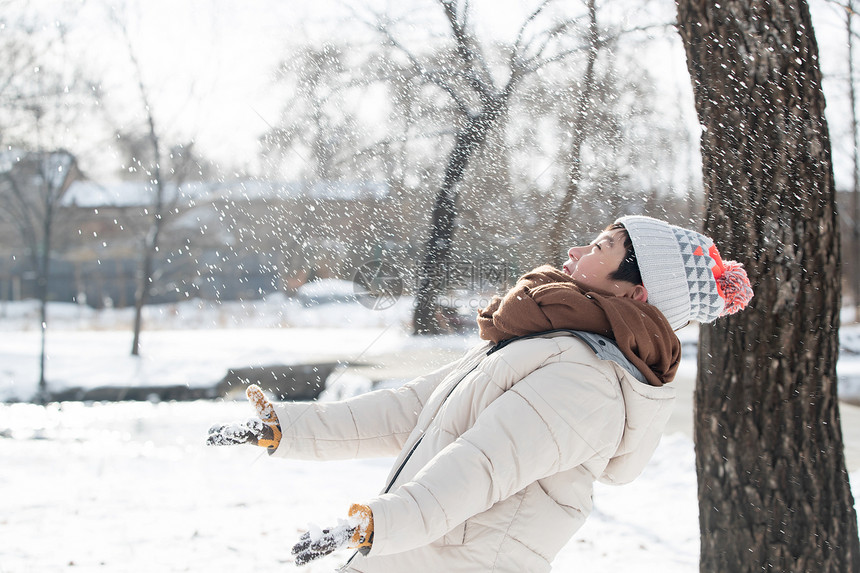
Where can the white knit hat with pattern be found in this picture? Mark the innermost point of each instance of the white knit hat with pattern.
(683, 273)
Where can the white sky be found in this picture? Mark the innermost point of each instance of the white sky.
(209, 64)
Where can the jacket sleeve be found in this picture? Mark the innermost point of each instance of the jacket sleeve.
(375, 424)
(558, 417)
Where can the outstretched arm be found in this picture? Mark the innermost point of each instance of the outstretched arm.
(370, 425)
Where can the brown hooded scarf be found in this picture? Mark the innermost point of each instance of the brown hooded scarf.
(547, 299)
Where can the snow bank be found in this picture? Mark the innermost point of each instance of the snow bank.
(191, 344)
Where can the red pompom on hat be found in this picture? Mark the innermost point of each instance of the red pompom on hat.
(733, 284)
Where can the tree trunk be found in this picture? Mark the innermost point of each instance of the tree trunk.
(773, 487)
(437, 252)
(146, 269)
(43, 267)
(43, 275)
(150, 243)
(51, 193)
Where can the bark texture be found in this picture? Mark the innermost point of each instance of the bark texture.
(773, 487)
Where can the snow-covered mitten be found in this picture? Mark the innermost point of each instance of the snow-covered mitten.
(266, 413)
(355, 533)
(264, 431)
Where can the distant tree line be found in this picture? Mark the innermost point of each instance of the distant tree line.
(575, 77)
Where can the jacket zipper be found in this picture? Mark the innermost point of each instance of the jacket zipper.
(415, 446)
(402, 465)
(418, 441)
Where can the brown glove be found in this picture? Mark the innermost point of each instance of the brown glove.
(264, 431)
(356, 533)
(362, 537)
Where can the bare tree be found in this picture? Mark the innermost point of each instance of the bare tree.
(444, 89)
(773, 487)
(158, 208)
(40, 98)
(308, 134)
(150, 244)
(591, 114)
(481, 101)
(24, 80)
(32, 184)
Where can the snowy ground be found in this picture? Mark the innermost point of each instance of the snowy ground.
(130, 487)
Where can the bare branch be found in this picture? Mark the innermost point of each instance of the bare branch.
(15, 65)
(474, 62)
(23, 216)
(380, 26)
(647, 28)
(535, 63)
(532, 65)
(521, 65)
(26, 209)
(518, 42)
(429, 75)
(551, 35)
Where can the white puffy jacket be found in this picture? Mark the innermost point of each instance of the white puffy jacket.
(497, 453)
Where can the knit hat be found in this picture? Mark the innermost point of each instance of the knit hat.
(683, 273)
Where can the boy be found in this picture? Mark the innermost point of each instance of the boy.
(498, 451)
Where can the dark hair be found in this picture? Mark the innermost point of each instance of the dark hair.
(628, 270)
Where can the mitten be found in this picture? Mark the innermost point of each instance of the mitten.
(264, 431)
(356, 533)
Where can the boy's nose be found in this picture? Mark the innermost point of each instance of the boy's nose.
(573, 253)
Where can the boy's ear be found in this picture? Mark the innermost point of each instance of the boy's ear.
(639, 293)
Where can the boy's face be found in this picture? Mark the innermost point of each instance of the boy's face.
(592, 264)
